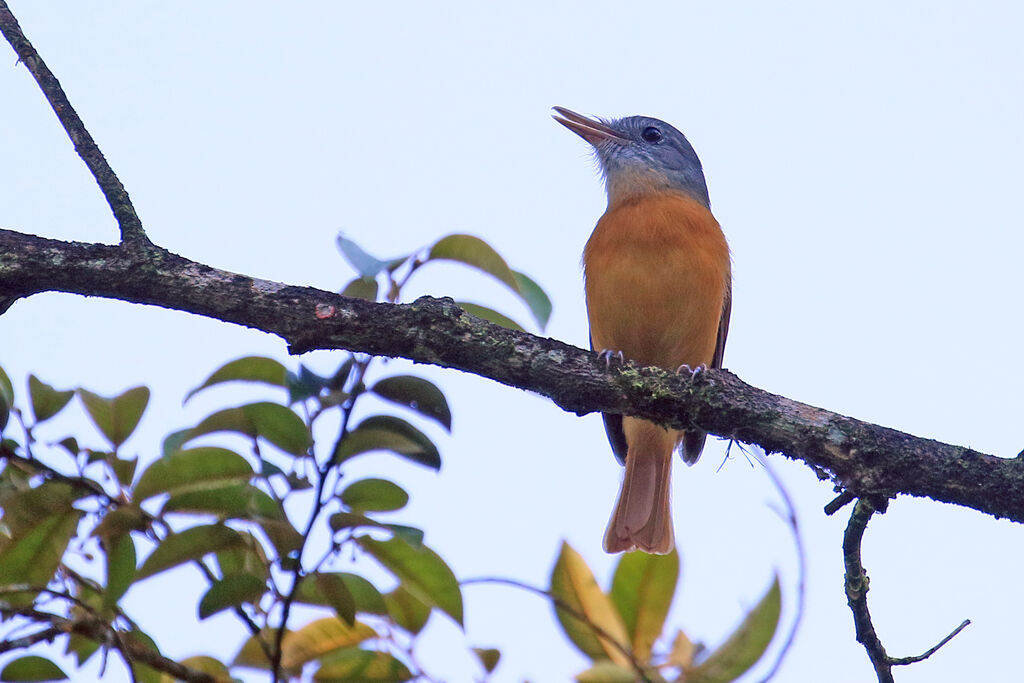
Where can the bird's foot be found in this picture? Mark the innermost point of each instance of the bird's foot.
(693, 371)
(608, 354)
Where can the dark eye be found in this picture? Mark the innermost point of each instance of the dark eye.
(651, 134)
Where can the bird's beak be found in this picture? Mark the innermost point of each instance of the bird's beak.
(593, 131)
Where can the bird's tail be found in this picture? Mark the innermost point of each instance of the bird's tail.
(642, 518)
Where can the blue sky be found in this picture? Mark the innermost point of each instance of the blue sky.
(863, 160)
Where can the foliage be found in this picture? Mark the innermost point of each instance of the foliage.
(618, 629)
(82, 525)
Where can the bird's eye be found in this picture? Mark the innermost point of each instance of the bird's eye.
(651, 134)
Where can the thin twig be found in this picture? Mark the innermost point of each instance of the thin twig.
(857, 590)
(323, 472)
(47, 635)
(856, 595)
(103, 632)
(839, 502)
(132, 232)
(900, 661)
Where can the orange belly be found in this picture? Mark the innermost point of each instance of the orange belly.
(657, 270)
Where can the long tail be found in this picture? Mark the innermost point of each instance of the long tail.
(642, 518)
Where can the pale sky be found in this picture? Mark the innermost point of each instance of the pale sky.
(864, 161)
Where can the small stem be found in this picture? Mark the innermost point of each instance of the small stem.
(323, 472)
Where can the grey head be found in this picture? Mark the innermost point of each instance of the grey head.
(640, 155)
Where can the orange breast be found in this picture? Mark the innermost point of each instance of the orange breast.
(657, 270)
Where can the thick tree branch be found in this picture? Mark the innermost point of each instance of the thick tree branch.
(867, 460)
(117, 197)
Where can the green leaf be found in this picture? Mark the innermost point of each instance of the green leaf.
(490, 315)
(116, 417)
(353, 520)
(143, 673)
(353, 665)
(384, 432)
(232, 591)
(364, 594)
(361, 288)
(474, 252)
(194, 469)
(335, 591)
(642, 590)
(488, 656)
(419, 394)
(226, 420)
(120, 521)
(248, 369)
(607, 672)
(285, 537)
(33, 558)
(421, 571)
(350, 520)
(367, 266)
(304, 384)
(271, 421)
(6, 398)
(70, 444)
(535, 298)
(32, 668)
(746, 644)
(121, 560)
(191, 544)
(574, 585)
(407, 610)
(24, 509)
(124, 469)
(237, 501)
(250, 559)
(280, 426)
(46, 401)
(374, 495)
(409, 534)
(81, 647)
(321, 637)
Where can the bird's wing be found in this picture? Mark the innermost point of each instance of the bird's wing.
(723, 330)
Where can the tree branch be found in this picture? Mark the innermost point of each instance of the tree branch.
(103, 633)
(866, 460)
(857, 596)
(857, 591)
(132, 232)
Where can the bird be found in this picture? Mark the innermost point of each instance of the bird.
(658, 282)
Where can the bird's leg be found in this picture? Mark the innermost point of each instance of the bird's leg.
(608, 354)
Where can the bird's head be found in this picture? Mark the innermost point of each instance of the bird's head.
(639, 155)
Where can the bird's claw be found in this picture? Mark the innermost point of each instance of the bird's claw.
(608, 354)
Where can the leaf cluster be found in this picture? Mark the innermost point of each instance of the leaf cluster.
(619, 630)
(237, 497)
